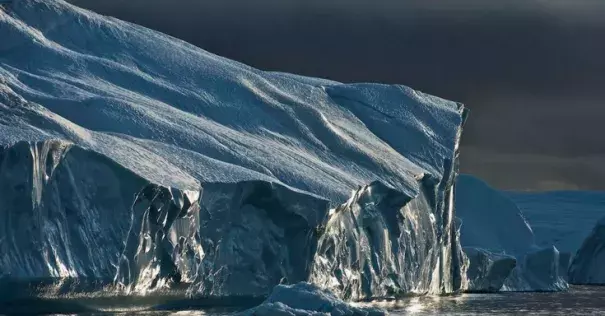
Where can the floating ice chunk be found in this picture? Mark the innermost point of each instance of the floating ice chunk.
(383, 243)
(304, 299)
(537, 271)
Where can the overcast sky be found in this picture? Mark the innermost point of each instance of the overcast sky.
(532, 72)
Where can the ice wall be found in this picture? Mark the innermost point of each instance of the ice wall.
(382, 243)
(70, 213)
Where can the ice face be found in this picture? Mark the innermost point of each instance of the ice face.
(188, 168)
(381, 243)
(493, 223)
(226, 240)
(255, 235)
(488, 271)
(588, 263)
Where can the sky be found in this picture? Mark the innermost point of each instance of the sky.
(532, 72)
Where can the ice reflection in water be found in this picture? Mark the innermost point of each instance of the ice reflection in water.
(580, 300)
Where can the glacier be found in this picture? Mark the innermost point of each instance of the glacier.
(493, 232)
(588, 264)
(134, 161)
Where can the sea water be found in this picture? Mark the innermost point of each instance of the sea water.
(579, 300)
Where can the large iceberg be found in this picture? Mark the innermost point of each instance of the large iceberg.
(134, 159)
(588, 265)
(493, 231)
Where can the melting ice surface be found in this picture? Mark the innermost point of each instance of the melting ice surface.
(136, 161)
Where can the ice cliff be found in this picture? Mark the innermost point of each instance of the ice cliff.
(588, 265)
(501, 245)
(134, 159)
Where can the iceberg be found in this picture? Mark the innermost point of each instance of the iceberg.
(538, 271)
(494, 228)
(560, 218)
(588, 264)
(134, 161)
(304, 299)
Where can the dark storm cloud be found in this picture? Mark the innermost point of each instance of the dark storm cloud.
(532, 72)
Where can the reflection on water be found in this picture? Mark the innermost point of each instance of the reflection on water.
(580, 300)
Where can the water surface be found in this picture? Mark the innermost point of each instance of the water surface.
(579, 300)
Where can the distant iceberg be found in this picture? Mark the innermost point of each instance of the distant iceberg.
(493, 231)
(588, 265)
(133, 160)
(560, 218)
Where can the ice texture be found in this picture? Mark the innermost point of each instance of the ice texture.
(493, 223)
(304, 299)
(488, 271)
(135, 158)
(382, 244)
(255, 235)
(588, 264)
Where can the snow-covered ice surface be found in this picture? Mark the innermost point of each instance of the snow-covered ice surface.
(133, 157)
(588, 264)
(492, 225)
(304, 299)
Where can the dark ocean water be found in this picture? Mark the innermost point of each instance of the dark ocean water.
(579, 300)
